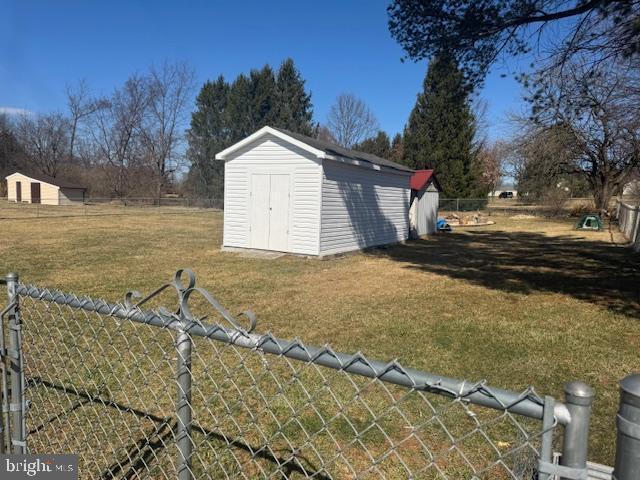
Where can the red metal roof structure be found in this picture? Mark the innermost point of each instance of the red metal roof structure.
(422, 178)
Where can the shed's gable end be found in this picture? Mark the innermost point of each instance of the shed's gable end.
(266, 132)
(292, 168)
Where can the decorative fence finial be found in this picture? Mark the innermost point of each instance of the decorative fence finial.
(183, 312)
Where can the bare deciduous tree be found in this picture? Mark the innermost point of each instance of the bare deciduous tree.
(115, 130)
(170, 90)
(598, 107)
(321, 132)
(45, 142)
(10, 150)
(128, 143)
(81, 105)
(493, 158)
(350, 121)
(538, 159)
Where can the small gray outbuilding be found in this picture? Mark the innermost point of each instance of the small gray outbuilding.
(291, 193)
(425, 200)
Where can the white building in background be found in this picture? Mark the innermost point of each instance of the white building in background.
(291, 193)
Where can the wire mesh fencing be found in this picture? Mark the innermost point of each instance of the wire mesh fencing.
(91, 207)
(141, 392)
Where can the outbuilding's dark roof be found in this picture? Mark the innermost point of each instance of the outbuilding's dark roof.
(58, 182)
(333, 149)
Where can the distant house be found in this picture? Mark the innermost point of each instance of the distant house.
(292, 193)
(36, 188)
(425, 197)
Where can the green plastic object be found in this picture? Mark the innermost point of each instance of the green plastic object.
(590, 221)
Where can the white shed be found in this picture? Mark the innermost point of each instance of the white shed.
(36, 188)
(291, 193)
(425, 199)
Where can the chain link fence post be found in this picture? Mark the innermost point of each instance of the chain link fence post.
(627, 464)
(15, 367)
(5, 430)
(184, 413)
(578, 399)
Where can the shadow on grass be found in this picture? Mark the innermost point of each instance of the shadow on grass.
(526, 262)
(141, 453)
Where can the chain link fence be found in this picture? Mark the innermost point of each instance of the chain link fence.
(143, 392)
(542, 206)
(51, 208)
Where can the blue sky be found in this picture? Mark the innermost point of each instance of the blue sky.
(339, 46)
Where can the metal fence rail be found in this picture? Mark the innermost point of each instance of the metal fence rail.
(141, 392)
(86, 207)
(515, 204)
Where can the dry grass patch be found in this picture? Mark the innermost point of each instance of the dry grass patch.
(521, 302)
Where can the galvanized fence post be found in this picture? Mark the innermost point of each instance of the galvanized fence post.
(578, 399)
(627, 464)
(184, 413)
(5, 420)
(15, 366)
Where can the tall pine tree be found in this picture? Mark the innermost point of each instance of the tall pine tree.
(379, 145)
(441, 130)
(208, 135)
(239, 117)
(294, 111)
(262, 99)
(397, 150)
(227, 113)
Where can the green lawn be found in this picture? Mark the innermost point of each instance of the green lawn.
(522, 302)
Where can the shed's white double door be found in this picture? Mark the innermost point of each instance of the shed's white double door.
(269, 227)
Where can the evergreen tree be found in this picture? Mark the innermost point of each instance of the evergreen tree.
(227, 113)
(397, 148)
(208, 135)
(262, 103)
(441, 129)
(379, 145)
(239, 117)
(294, 110)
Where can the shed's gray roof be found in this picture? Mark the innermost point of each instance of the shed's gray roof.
(58, 182)
(333, 149)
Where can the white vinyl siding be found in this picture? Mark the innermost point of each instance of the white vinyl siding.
(362, 207)
(271, 155)
(424, 211)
